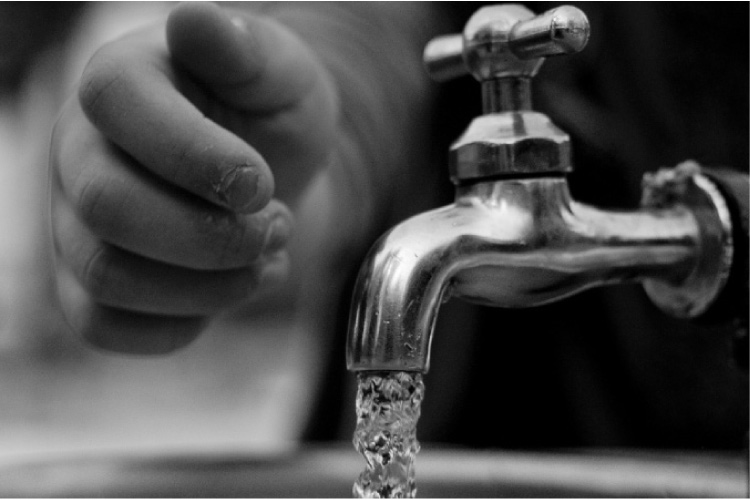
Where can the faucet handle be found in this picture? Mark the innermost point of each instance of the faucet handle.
(503, 47)
(563, 30)
(444, 57)
(506, 40)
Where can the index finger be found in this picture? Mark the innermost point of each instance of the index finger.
(130, 92)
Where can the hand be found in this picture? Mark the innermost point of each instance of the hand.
(164, 167)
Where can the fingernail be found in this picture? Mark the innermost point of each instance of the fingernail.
(277, 235)
(239, 187)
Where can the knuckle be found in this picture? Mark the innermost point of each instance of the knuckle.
(231, 239)
(61, 142)
(100, 81)
(55, 146)
(96, 274)
(243, 285)
(233, 244)
(89, 200)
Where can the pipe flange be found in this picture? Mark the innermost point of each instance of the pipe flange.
(686, 186)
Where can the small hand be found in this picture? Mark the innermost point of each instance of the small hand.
(164, 170)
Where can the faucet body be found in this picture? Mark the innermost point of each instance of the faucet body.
(512, 243)
(514, 237)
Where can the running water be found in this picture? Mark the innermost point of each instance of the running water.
(388, 407)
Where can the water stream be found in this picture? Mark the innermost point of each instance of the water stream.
(388, 408)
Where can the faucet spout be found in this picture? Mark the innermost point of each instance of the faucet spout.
(506, 243)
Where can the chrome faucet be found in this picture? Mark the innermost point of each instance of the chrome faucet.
(514, 237)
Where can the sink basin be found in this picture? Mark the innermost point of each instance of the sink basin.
(330, 472)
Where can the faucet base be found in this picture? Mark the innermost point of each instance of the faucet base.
(685, 185)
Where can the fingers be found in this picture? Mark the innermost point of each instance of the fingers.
(143, 265)
(287, 99)
(123, 331)
(129, 208)
(125, 280)
(190, 113)
(122, 302)
(248, 61)
(128, 92)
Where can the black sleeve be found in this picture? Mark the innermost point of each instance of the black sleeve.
(733, 303)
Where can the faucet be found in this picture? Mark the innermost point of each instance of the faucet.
(514, 237)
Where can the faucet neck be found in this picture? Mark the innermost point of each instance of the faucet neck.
(506, 94)
(549, 194)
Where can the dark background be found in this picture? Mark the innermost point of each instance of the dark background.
(658, 83)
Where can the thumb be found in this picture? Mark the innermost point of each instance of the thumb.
(248, 61)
